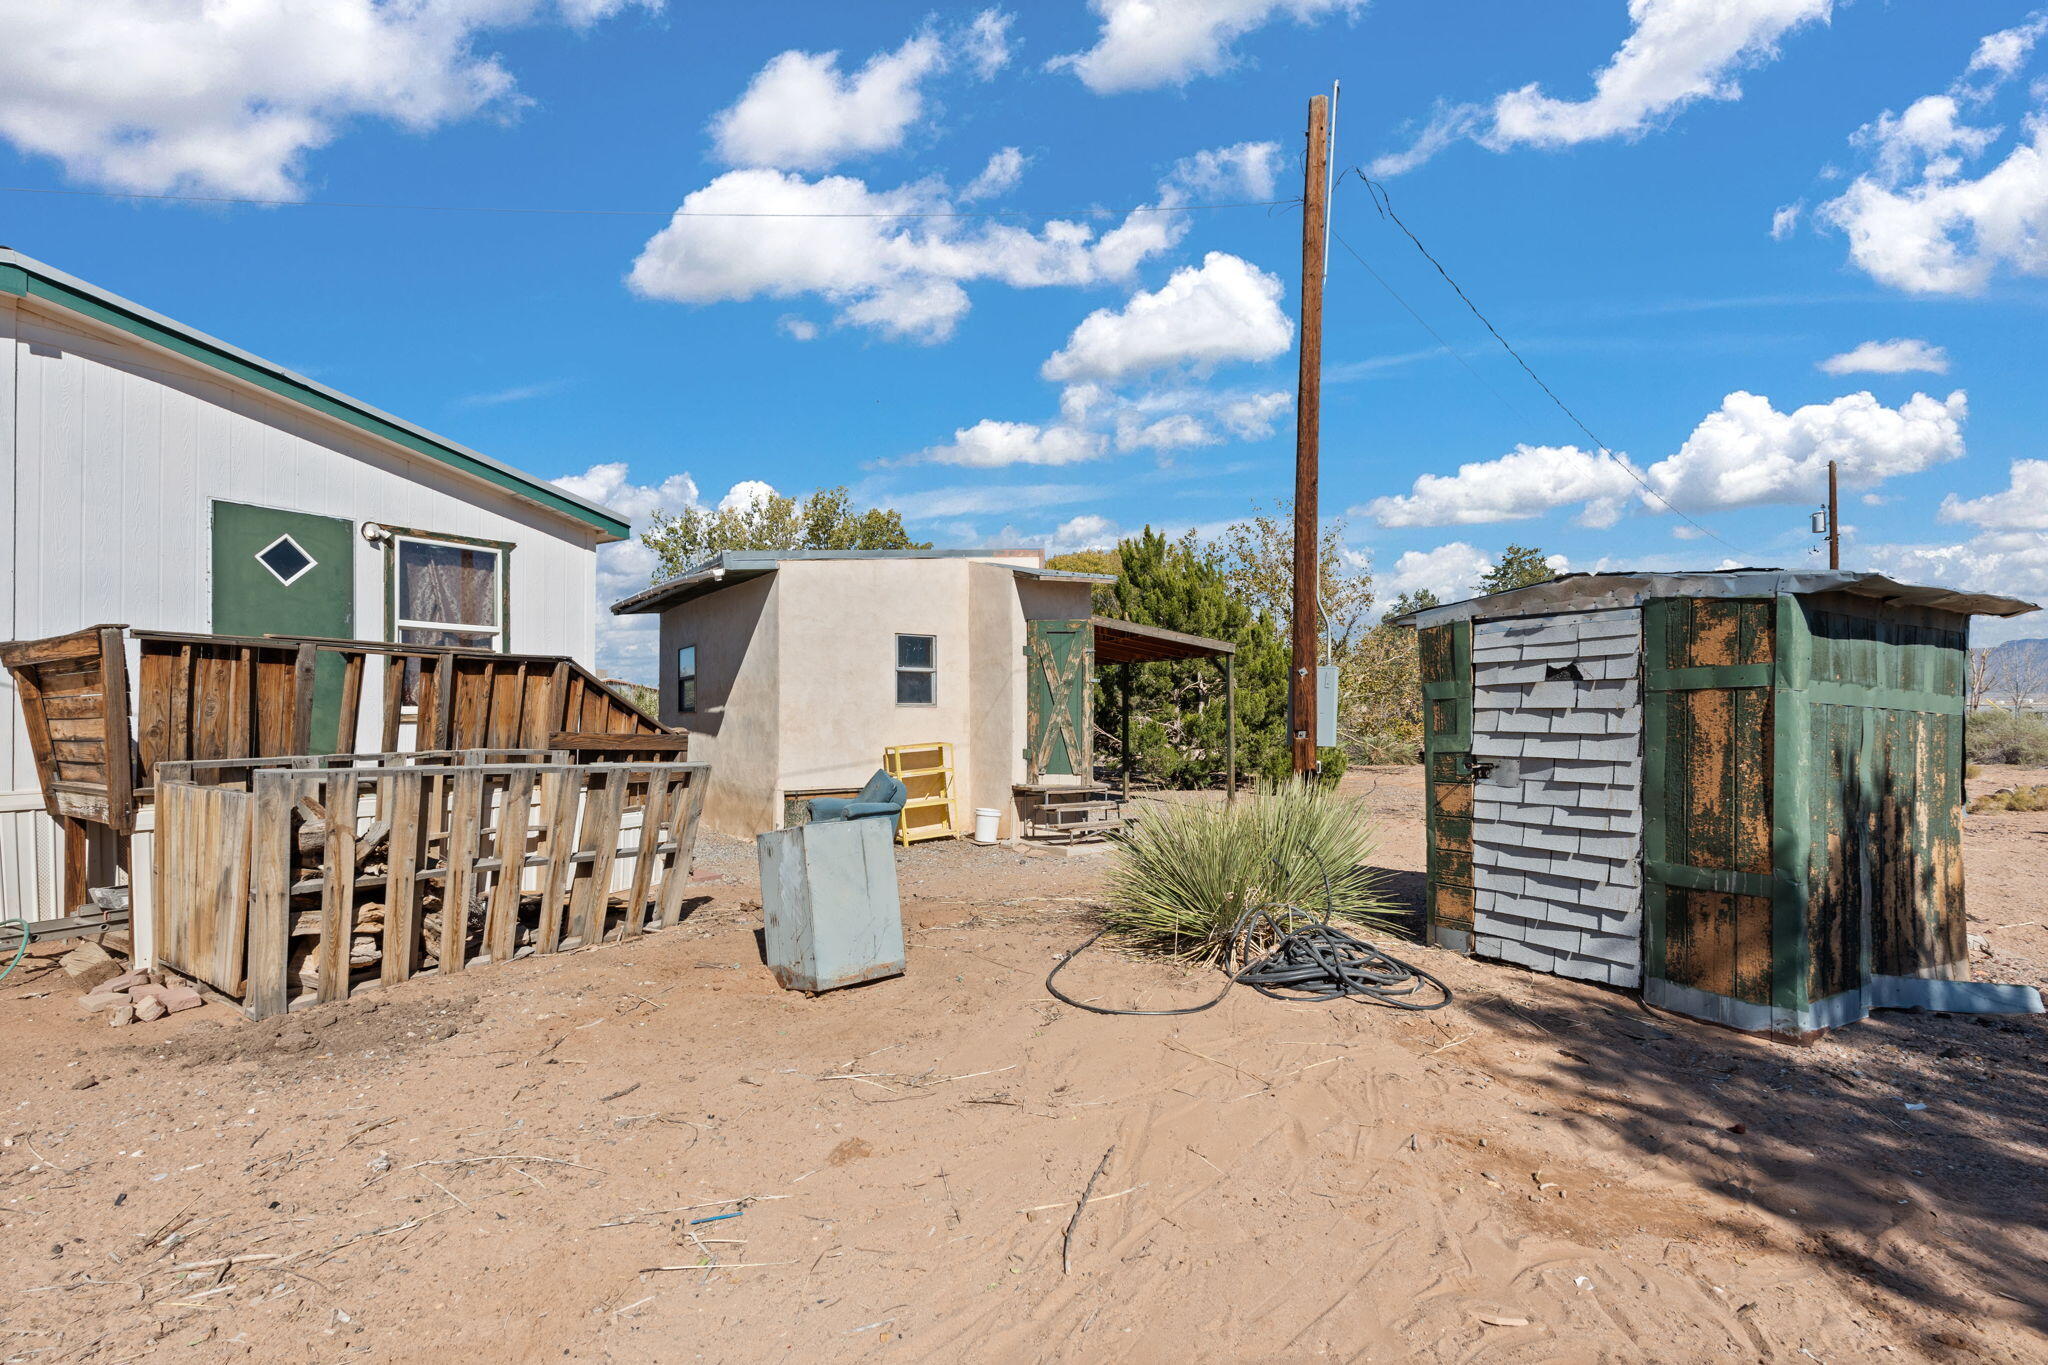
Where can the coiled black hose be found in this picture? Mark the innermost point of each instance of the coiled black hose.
(1313, 961)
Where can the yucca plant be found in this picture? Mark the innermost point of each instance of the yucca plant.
(1186, 874)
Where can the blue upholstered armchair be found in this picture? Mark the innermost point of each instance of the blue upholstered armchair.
(883, 795)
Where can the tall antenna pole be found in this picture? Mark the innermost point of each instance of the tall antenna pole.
(1834, 520)
(1307, 437)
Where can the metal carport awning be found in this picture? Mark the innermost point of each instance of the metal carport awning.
(1128, 643)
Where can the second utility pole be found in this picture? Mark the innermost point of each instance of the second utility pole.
(1301, 681)
(1834, 521)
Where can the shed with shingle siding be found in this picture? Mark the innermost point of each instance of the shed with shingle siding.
(1739, 791)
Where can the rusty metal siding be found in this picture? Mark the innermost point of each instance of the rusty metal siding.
(1709, 753)
(1445, 654)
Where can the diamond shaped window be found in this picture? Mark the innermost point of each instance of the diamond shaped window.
(287, 562)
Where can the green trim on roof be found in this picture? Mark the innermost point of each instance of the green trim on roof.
(14, 279)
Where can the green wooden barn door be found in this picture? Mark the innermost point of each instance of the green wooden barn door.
(1058, 661)
(1446, 658)
(1710, 896)
(287, 573)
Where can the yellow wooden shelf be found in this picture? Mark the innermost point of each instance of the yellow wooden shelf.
(928, 812)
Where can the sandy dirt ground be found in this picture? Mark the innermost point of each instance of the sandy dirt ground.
(513, 1164)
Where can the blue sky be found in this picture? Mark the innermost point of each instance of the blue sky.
(1735, 237)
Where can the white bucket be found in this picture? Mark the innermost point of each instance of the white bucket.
(985, 823)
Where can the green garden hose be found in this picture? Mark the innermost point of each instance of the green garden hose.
(19, 926)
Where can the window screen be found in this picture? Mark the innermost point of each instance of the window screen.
(917, 670)
(686, 678)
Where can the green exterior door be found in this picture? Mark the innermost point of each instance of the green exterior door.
(1058, 661)
(287, 573)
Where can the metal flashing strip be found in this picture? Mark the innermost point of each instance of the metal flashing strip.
(1954, 997)
(1724, 880)
(1706, 676)
(1881, 698)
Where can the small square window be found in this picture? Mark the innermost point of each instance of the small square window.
(917, 677)
(686, 678)
(287, 562)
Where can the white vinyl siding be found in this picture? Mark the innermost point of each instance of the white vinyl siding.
(117, 451)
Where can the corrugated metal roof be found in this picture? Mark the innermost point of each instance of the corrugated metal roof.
(1599, 591)
(728, 567)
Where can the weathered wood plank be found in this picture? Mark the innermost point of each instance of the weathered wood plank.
(338, 886)
(458, 890)
(514, 822)
(272, 843)
(401, 889)
(559, 801)
(591, 895)
(119, 758)
(351, 701)
(652, 813)
(678, 879)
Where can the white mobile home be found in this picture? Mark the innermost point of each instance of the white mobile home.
(154, 476)
(794, 669)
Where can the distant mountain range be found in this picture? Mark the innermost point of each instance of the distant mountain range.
(2025, 655)
(2018, 664)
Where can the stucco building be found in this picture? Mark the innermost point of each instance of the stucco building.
(794, 669)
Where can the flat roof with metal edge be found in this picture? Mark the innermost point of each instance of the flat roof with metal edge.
(1601, 591)
(728, 567)
(26, 277)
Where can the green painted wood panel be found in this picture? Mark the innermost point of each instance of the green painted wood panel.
(1445, 656)
(249, 599)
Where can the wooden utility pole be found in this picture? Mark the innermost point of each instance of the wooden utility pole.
(1301, 690)
(1834, 520)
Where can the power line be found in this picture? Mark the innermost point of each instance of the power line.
(1384, 203)
(1423, 322)
(634, 213)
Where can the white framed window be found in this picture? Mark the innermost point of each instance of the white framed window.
(686, 678)
(287, 560)
(446, 592)
(917, 670)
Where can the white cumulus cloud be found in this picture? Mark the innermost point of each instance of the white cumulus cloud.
(1000, 175)
(1917, 218)
(1677, 53)
(1900, 355)
(1745, 453)
(1450, 571)
(1526, 482)
(1785, 220)
(626, 645)
(230, 98)
(2022, 506)
(987, 42)
(901, 276)
(990, 444)
(1224, 310)
(1250, 169)
(802, 112)
(1144, 44)
(1749, 453)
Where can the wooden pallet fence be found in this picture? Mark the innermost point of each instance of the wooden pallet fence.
(355, 875)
